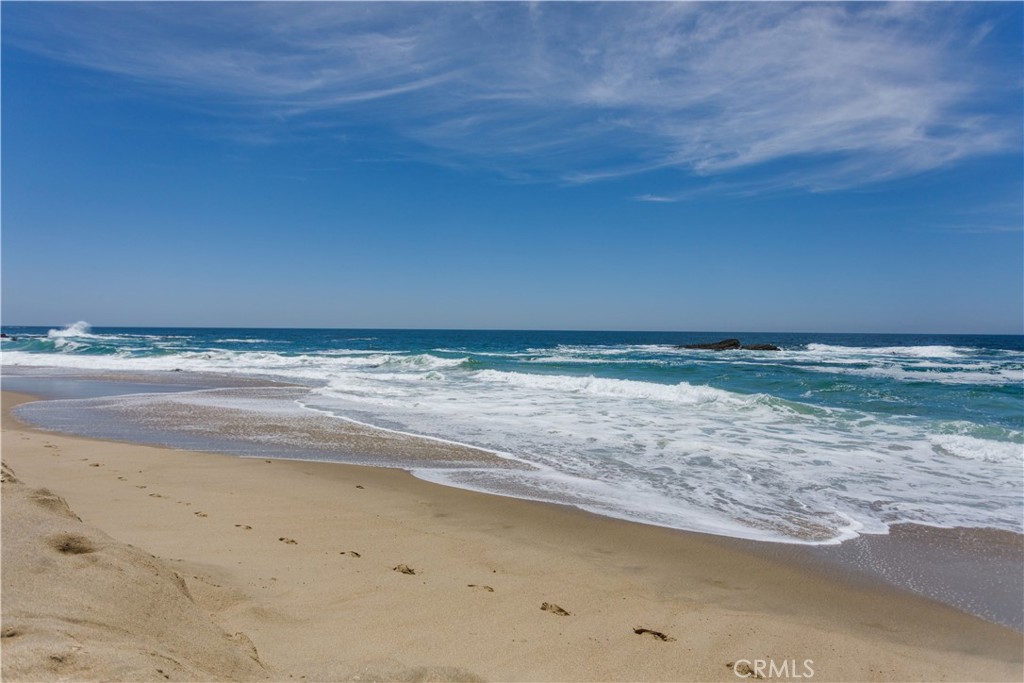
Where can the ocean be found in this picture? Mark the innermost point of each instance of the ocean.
(831, 437)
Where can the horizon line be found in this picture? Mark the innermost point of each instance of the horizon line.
(502, 329)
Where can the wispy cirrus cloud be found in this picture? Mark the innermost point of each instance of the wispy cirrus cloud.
(995, 218)
(655, 198)
(844, 95)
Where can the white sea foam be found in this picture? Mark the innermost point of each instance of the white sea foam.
(357, 352)
(941, 375)
(65, 338)
(424, 361)
(574, 360)
(937, 351)
(971, 448)
(692, 456)
(490, 354)
(306, 366)
(618, 388)
(576, 350)
(79, 329)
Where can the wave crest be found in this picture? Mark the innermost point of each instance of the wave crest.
(683, 392)
(78, 329)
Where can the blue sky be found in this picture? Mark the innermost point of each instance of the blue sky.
(667, 166)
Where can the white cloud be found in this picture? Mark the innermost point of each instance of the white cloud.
(577, 92)
(656, 198)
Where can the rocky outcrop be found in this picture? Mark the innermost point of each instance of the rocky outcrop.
(724, 345)
(729, 345)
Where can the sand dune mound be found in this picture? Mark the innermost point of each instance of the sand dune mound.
(79, 605)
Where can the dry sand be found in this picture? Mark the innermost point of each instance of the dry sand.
(195, 566)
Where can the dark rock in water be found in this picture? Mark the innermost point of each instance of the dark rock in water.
(730, 345)
(724, 345)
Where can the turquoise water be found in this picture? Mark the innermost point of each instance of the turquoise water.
(833, 436)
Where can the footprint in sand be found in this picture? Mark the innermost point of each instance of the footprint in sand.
(95, 464)
(122, 479)
(289, 541)
(404, 569)
(200, 514)
(360, 486)
(554, 609)
(654, 634)
(350, 553)
(244, 526)
(156, 495)
(140, 486)
(486, 588)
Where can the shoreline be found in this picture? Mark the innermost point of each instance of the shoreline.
(87, 384)
(310, 609)
(975, 570)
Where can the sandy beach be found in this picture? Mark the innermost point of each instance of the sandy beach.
(129, 562)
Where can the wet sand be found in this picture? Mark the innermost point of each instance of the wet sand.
(279, 570)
